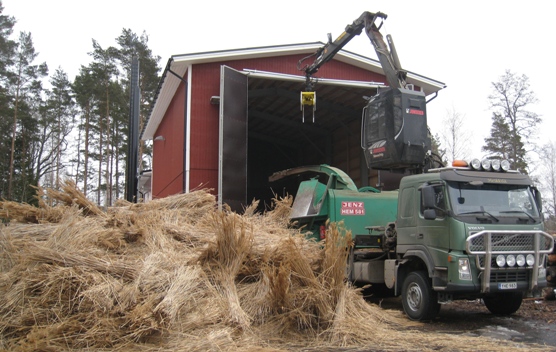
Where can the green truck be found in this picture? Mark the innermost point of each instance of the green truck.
(451, 233)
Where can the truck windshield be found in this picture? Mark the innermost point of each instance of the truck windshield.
(492, 200)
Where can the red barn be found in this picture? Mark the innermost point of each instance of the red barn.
(227, 120)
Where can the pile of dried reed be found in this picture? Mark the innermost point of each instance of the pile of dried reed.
(176, 274)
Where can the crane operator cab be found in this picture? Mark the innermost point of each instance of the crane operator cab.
(394, 132)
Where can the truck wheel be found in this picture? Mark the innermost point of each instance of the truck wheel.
(419, 301)
(504, 303)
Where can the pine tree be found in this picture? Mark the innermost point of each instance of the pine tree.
(133, 45)
(7, 51)
(60, 114)
(7, 45)
(439, 153)
(105, 70)
(504, 143)
(83, 88)
(25, 83)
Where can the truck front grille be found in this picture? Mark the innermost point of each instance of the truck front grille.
(487, 245)
(509, 242)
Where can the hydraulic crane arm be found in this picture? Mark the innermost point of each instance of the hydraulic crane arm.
(327, 52)
(386, 54)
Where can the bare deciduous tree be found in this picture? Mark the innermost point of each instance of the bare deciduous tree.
(513, 122)
(548, 183)
(511, 98)
(455, 136)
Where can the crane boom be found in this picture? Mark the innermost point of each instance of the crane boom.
(387, 54)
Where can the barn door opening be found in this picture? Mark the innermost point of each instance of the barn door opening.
(232, 139)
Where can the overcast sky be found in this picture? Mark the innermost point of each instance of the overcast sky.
(465, 44)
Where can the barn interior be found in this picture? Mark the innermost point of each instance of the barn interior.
(281, 136)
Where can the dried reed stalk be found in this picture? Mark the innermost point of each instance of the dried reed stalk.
(226, 257)
(70, 195)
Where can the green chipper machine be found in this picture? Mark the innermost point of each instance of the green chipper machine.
(327, 193)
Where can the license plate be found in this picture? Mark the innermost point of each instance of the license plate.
(507, 285)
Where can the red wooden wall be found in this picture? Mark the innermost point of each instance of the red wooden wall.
(167, 176)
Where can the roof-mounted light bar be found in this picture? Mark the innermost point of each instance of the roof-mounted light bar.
(484, 165)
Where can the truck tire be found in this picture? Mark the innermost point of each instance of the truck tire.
(419, 301)
(503, 303)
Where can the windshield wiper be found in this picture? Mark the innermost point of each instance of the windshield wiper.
(480, 212)
(518, 212)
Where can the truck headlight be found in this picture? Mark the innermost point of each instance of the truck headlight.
(510, 260)
(520, 260)
(464, 269)
(500, 261)
(530, 259)
(475, 164)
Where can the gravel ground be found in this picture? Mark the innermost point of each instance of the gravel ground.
(534, 322)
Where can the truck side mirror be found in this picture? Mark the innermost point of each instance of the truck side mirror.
(538, 198)
(429, 214)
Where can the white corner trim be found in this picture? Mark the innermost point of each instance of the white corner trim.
(188, 127)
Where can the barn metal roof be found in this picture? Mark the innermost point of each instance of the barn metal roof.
(272, 93)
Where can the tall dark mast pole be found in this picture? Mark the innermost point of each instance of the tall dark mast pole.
(133, 137)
